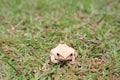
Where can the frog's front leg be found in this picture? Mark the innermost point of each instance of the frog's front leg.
(72, 61)
(53, 59)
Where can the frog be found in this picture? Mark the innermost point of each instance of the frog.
(62, 52)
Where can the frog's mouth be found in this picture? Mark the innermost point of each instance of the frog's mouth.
(64, 59)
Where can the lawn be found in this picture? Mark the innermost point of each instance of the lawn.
(29, 29)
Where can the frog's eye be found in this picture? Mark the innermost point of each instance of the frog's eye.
(71, 54)
(58, 54)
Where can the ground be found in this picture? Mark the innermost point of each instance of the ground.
(29, 29)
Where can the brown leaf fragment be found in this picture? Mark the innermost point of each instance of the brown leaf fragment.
(5, 48)
(100, 20)
(111, 77)
(40, 69)
(19, 68)
(80, 75)
(38, 16)
(11, 30)
(104, 60)
(69, 79)
(1, 63)
(53, 76)
(25, 34)
(93, 69)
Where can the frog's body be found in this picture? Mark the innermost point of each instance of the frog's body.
(62, 52)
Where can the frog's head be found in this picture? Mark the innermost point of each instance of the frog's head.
(63, 53)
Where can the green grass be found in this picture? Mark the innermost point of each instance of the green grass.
(29, 29)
